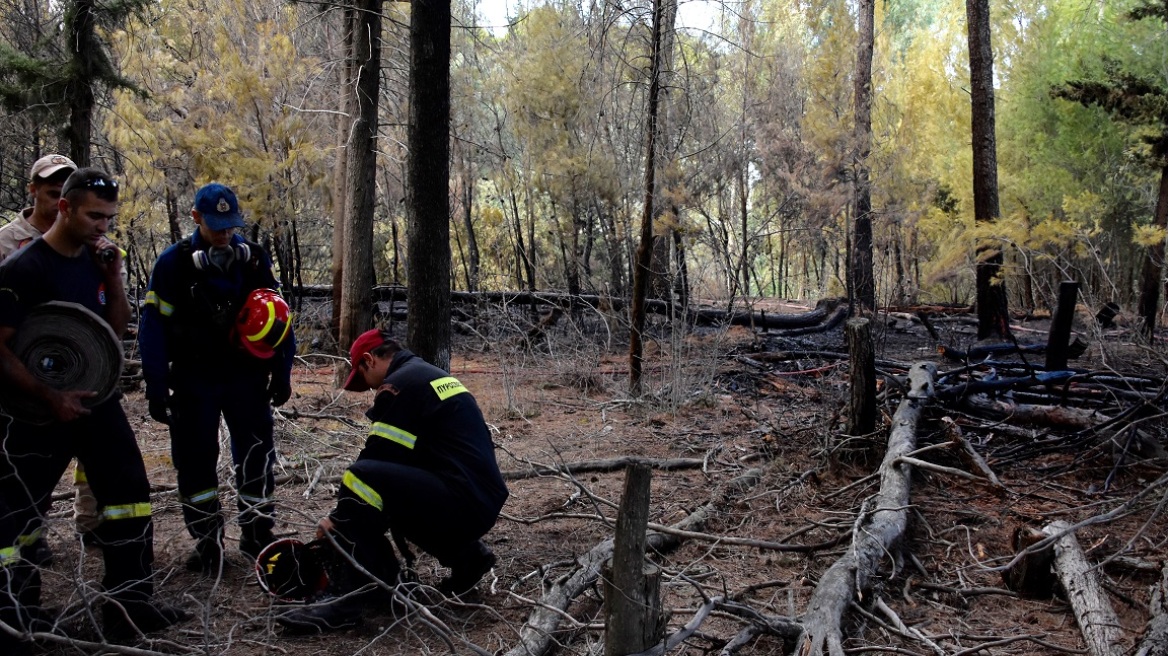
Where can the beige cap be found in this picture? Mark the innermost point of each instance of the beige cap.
(50, 164)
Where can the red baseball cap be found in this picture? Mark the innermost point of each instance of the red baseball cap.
(365, 343)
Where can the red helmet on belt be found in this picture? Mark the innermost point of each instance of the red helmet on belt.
(263, 323)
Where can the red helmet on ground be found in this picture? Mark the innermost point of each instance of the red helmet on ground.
(291, 570)
(263, 323)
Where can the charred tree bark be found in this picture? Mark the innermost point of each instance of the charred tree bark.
(365, 56)
(1153, 268)
(632, 595)
(993, 321)
(863, 283)
(862, 378)
(428, 329)
(85, 52)
(1060, 326)
(881, 524)
(642, 270)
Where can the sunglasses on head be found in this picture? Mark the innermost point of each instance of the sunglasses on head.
(97, 183)
(105, 188)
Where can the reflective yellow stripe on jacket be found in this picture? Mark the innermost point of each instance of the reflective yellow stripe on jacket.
(164, 308)
(362, 490)
(393, 434)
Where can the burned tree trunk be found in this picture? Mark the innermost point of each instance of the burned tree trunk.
(880, 526)
(862, 356)
(633, 591)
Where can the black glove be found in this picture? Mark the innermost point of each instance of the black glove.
(279, 390)
(159, 412)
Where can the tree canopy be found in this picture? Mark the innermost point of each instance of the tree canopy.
(548, 133)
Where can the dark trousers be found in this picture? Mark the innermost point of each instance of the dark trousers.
(32, 459)
(242, 400)
(418, 505)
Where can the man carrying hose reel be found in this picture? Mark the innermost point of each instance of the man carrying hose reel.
(73, 263)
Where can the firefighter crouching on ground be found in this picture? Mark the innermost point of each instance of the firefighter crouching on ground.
(200, 362)
(428, 472)
(65, 265)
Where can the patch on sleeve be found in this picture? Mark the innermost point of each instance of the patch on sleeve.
(447, 387)
(388, 387)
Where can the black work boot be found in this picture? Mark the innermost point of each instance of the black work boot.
(328, 613)
(38, 552)
(468, 570)
(20, 586)
(350, 592)
(254, 539)
(207, 556)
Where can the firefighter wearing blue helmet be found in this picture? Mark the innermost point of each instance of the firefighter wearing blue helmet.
(199, 366)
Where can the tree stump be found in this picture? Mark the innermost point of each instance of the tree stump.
(1060, 326)
(1032, 576)
(633, 591)
(862, 404)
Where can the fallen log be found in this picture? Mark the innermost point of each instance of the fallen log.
(537, 470)
(833, 321)
(1001, 384)
(781, 627)
(931, 309)
(758, 360)
(1053, 416)
(982, 351)
(876, 531)
(1096, 618)
(387, 299)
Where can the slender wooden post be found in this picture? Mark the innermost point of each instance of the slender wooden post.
(632, 591)
(1060, 326)
(862, 404)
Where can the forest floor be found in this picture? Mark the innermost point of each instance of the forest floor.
(566, 401)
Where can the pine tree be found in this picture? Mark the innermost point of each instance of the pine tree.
(1142, 101)
(59, 74)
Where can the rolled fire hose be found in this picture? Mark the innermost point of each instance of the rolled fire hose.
(69, 348)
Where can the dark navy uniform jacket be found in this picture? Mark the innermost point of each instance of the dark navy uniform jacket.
(423, 417)
(189, 313)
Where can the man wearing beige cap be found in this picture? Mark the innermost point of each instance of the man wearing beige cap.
(45, 179)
